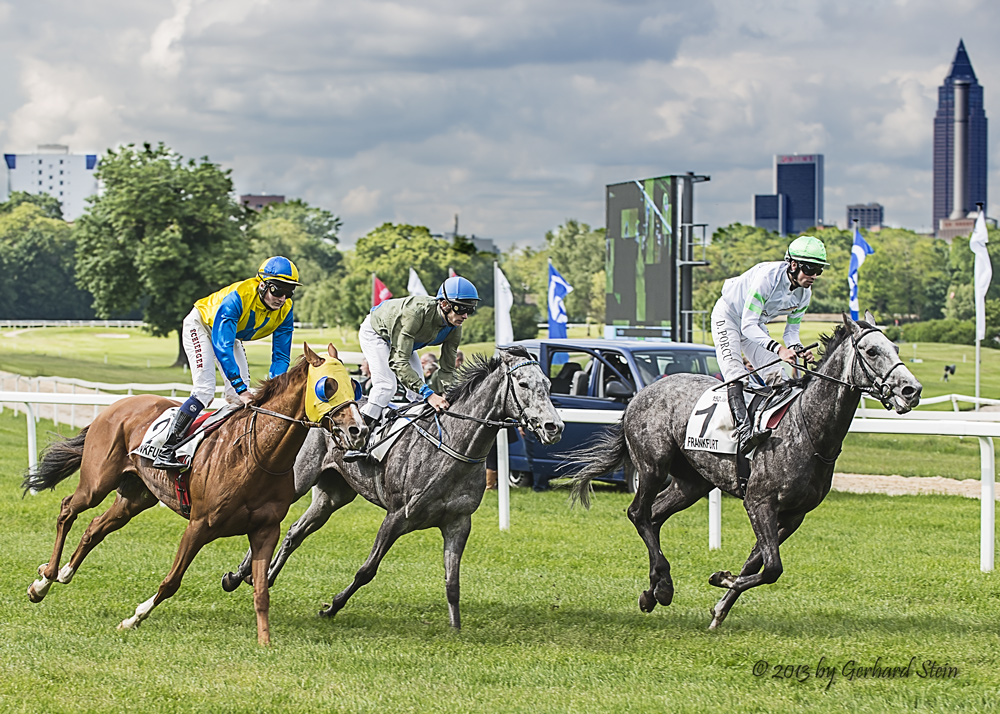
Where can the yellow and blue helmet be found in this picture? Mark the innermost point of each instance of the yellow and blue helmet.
(279, 268)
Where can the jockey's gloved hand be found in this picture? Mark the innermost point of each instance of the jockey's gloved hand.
(804, 353)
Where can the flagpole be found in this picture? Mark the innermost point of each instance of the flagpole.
(977, 339)
(373, 289)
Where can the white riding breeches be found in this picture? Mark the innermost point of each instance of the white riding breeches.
(730, 346)
(384, 381)
(197, 340)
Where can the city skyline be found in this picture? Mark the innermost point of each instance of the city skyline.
(514, 117)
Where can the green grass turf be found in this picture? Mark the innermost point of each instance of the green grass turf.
(549, 609)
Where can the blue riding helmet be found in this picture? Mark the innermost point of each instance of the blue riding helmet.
(458, 291)
(279, 268)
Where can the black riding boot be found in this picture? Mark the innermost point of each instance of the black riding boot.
(747, 440)
(167, 459)
(356, 455)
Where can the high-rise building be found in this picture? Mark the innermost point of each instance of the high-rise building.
(797, 202)
(867, 216)
(53, 170)
(959, 145)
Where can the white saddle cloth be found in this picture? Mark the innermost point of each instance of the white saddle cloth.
(711, 427)
(156, 434)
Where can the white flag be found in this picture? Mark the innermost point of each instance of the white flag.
(503, 299)
(414, 286)
(983, 274)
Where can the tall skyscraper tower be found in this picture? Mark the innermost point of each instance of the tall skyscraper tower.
(797, 202)
(959, 143)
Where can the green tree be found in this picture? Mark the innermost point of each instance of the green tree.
(578, 253)
(36, 260)
(162, 234)
(49, 205)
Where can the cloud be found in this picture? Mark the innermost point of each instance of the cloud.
(513, 115)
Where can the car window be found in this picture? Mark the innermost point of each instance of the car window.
(654, 364)
(563, 366)
(607, 375)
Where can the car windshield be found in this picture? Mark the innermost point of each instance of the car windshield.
(654, 364)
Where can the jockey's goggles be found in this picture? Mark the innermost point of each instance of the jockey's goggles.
(463, 309)
(279, 289)
(811, 268)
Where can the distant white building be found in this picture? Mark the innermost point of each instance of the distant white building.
(53, 170)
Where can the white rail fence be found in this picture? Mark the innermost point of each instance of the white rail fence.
(982, 425)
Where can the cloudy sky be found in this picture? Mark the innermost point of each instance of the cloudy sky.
(513, 115)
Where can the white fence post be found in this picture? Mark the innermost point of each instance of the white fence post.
(987, 505)
(503, 480)
(714, 519)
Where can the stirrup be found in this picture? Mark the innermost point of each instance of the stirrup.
(167, 459)
(355, 455)
(753, 441)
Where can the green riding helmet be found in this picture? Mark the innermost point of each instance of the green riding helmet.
(809, 249)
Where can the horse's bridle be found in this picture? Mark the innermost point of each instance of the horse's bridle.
(503, 424)
(325, 422)
(878, 388)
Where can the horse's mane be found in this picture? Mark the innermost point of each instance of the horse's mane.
(275, 385)
(476, 369)
(829, 344)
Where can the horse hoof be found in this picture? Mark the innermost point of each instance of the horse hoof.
(722, 579)
(231, 581)
(664, 593)
(646, 602)
(32, 595)
(327, 610)
(717, 618)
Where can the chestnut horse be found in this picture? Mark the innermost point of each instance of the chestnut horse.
(240, 480)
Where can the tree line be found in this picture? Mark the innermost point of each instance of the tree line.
(165, 231)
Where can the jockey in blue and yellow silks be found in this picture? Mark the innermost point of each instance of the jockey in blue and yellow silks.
(247, 310)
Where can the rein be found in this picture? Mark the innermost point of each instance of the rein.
(878, 388)
(252, 430)
(503, 424)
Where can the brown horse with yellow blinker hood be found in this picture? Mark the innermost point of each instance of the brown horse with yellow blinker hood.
(240, 480)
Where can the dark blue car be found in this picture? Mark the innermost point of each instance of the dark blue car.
(597, 374)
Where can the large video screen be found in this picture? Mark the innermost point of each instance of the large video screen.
(641, 223)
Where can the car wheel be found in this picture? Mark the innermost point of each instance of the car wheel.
(631, 480)
(521, 479)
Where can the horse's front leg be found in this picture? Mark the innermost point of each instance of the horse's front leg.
(262, 544)
(394, 526)
(456, 534)
(788, 525)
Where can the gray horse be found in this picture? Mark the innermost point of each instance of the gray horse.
(429, 478)
(792, 471)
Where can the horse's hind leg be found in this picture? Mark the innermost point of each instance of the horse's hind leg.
(90, 492)
(133, 498)
(648, 520)
(787, 526)
(394, 526)
(196, 535)
(456, 534)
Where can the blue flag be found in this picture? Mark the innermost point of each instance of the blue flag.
(859, 252)
(558, 290)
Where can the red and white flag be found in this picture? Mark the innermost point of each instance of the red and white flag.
(380, 292)
(451, 272)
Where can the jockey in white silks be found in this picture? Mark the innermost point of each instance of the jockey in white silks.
(739, 323)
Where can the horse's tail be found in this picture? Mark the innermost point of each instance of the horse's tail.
(606, 455)
(59, 460)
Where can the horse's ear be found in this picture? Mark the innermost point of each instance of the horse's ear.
(311, 357)
(332, 351)
(869, 318)
(847, 319)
